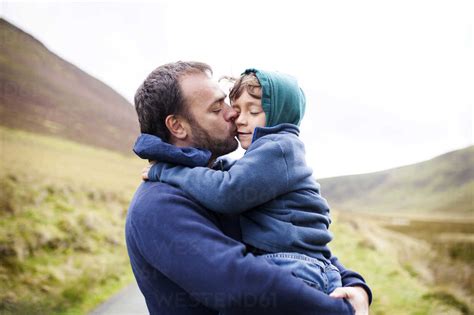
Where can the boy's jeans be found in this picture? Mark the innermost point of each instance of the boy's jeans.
(319, 274)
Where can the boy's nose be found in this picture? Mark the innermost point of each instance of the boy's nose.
(230, 114)
(240, 120)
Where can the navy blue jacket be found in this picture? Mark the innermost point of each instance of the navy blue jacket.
(189, 260)
(271, 186)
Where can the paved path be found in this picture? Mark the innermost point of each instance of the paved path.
(129, 301)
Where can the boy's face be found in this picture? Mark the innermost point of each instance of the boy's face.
(251, 115)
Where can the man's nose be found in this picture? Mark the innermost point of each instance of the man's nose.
(230, 114)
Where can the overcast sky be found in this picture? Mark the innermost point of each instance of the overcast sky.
(388, 83)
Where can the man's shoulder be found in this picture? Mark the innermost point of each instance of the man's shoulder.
(154, 199)
(155, 191)
(161, 206)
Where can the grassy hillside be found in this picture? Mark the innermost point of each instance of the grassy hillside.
(414, 224)
(42, 93)
(62, 210)
(441, 186)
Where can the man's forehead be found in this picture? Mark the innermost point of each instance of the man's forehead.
(199, 87)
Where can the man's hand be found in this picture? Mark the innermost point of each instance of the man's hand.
(146, 170)
(356, 296)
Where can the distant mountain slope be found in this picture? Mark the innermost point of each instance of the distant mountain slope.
(40, 92)
(443, 185)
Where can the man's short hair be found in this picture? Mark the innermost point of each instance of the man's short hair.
(160, 95)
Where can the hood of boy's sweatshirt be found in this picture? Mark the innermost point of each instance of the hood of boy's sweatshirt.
(283, 101)
(153, 148)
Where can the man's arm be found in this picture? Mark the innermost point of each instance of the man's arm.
(184, 242)
(351, 278)
(258, 177)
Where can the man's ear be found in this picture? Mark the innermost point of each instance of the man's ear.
(177, 125)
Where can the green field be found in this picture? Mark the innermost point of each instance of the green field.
(62, 249)
(408, 273)
(62, 212)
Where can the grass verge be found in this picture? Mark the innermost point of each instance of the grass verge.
(62, 213)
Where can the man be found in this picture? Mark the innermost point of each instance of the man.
(186, 259)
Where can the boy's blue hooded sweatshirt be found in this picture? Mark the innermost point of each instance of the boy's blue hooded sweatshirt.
(271, 186)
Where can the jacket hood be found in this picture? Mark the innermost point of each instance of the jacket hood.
(283, 101)
(153, 148)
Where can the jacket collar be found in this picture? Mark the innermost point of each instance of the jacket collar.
(153, 148)
(281, 128)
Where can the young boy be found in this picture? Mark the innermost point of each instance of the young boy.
(283, 216)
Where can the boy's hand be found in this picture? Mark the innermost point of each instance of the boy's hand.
(146, 170)
(356, 296)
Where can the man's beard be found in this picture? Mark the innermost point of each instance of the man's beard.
(202, 139)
